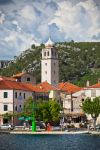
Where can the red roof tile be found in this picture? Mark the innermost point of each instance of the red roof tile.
(69, 87)
(45, 86)
(7, 84)
(35, 88)
(13, 85)
(18, 75)
(95, 86)
(7, 78)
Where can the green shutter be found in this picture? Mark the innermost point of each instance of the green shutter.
(5, 94)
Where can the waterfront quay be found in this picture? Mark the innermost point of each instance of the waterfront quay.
(43, 132)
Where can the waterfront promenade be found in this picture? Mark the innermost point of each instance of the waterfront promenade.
(49, 132)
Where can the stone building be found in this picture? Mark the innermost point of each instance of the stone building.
(71, 97)
(25, 78)
(50, 64)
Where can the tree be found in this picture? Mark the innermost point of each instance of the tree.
(92, 107)
(28, 108)
(8, 116)
(43, 112)
(33, 46)
(46, 111)
(49, 111)
(54, 110)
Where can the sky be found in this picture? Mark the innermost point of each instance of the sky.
(27, 22)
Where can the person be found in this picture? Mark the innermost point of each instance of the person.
(29, 126)
(88, 126)
(49, 128)
(61, 124)
(24, 125)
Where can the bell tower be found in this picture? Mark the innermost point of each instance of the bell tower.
(50, 64)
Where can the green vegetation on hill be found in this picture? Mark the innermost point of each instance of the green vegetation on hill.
(78, 62)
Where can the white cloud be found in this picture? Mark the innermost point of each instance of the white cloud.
(30, 22)
(28, 13)
(16, 23)
(80, 21)
(20, 41)
(2, 17)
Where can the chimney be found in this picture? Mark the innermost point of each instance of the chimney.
(16, 80)
(87, 83)
(1, 78)
(98, 80)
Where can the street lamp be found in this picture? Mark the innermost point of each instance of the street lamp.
(33, 118)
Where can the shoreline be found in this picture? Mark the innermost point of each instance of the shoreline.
(50, 132)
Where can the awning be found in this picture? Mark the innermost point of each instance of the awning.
(75, 115)
(25, 118)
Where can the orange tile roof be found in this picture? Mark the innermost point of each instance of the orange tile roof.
(7, 78)
(18, 75)
(12, 85)
(69, 87)
(7, 83)
(95, 86)
(45, 86)
(35, 88)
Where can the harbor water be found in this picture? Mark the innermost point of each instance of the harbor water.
(49, 142)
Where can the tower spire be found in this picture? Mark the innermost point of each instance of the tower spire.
(49, 43)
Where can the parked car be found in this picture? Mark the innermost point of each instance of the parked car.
(7, 127)
(40, 124)
(98, 127)
(57, 128)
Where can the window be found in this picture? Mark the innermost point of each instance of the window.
(44, 53)
(28, 79)
(20, 94)
(5, 107)
(15, 94)
(45, 72)
(93, 93)
(48, 53)
(52, 52)
(5, 94)
(24, 95)
(15, 108)
(20, 106)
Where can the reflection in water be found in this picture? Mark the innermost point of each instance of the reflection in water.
(49, 142)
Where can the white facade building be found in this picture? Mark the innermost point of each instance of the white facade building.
(13, 95)
(11, 101)
(50, 64)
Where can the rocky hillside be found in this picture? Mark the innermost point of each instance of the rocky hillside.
(78, 62)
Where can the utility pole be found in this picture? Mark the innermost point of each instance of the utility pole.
(71, 102)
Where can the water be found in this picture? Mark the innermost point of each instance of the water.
(49, 142)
